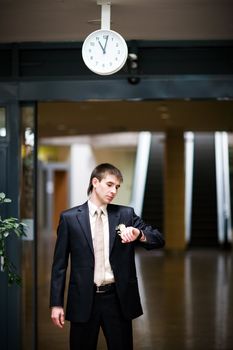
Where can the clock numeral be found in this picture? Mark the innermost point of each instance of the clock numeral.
(117, 44)
(97, 38)
(110, 63)
(92, 43)
(91, 57)
(118, 52)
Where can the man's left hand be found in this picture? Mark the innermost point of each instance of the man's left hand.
(130, 234)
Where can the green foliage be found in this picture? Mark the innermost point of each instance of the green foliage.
(8, 227)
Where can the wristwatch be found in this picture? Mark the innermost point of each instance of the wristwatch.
(140, 235)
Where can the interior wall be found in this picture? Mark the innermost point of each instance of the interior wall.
(124, 159)
(61, 194)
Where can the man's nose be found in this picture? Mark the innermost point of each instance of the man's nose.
(114, 190)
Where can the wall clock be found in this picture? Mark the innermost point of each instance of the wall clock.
(104, 51)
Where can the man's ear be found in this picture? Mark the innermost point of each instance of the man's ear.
(95, 181)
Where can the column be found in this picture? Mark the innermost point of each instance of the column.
(174, 191)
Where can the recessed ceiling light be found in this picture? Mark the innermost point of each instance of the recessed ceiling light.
(165, 116)
(61, 127)
(72, 131)
(162, 108)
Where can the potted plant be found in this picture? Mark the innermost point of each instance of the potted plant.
(9, 226)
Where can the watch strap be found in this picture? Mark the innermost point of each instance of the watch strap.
(140, 235)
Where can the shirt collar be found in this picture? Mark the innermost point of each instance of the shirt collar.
(92, 208)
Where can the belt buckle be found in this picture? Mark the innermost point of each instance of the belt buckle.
(98, 290)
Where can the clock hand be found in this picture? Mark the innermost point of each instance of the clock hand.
(101, 47)
(106, 40)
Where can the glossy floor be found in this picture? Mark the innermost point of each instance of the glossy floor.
(187, 300)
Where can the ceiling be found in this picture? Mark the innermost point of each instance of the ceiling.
(73, 20)
(101, 117)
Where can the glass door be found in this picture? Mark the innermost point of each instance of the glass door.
(28, 215)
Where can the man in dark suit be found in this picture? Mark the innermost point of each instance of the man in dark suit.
(103, 288)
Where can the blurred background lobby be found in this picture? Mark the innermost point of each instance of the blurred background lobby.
(186, 288)
(165, 119)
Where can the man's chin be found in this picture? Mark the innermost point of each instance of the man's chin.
(109, 200)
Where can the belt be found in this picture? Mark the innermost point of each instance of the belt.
(106, 288)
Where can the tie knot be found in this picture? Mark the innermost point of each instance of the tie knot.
(99, 212)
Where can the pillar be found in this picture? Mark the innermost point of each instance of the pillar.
(174, 191)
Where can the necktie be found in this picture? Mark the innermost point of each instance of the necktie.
(99, 249)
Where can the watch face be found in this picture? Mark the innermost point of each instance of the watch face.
(104, 52)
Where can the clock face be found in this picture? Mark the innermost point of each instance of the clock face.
(104, 51)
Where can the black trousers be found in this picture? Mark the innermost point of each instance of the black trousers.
(106, 314)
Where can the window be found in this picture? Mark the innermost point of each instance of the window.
(2, 122)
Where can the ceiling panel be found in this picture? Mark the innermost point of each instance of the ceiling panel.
(99, 117)
(66, 20)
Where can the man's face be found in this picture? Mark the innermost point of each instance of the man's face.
(105, 191)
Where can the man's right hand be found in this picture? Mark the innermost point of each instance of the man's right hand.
(57, 316)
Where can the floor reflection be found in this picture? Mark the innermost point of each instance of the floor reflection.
(187, 300)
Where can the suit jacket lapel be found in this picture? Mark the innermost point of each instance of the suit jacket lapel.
(83, 218)
(113, 218)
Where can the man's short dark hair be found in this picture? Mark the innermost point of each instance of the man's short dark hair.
(100, 171)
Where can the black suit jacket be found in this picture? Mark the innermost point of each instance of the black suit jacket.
(74, 240)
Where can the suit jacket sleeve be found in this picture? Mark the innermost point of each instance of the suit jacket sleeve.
(154, 238)
(60, 263)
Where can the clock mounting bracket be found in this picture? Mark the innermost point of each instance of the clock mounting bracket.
(105, 13)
